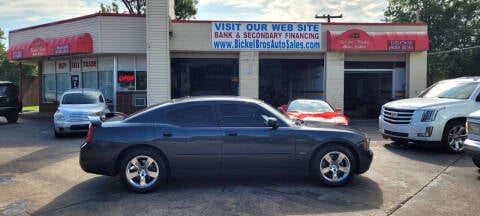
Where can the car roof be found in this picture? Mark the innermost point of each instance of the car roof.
(81, 90)
(464, 79)
(215, 98)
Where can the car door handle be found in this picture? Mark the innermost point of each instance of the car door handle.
(167, 134)
(231, 133)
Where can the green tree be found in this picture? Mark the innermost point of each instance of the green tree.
(113, 8)
(452, 26)
(184, 9)
(9, 70)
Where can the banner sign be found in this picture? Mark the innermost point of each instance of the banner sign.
(266, 36)
(401, 45)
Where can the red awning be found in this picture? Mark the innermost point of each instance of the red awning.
(16, 51)
(74, 44)
(81, 43)
(356, 39)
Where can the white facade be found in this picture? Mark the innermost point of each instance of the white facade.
(130, 46)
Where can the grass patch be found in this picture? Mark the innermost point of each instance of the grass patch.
(30, 109)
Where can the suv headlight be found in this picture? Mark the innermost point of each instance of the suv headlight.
(430, 114)
(59, 116)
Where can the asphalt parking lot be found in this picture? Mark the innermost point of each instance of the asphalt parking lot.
(40, 175)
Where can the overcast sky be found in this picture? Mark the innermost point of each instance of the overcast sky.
(24, 13)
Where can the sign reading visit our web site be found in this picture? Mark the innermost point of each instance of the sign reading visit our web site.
(266, 36)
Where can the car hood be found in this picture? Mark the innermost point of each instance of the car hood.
(415, 103)
(316, 125)
(81, 108)
(318, 116)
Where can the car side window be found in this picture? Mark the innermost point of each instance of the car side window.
(236, 115)
(190, 116)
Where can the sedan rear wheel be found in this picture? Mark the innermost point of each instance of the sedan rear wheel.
(143, 170)
(334, 165)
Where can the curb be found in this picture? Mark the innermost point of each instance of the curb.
(46, 116)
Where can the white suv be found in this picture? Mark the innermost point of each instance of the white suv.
(437, 114)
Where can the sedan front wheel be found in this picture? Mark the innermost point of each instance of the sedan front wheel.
(334, 165)
(142, 170)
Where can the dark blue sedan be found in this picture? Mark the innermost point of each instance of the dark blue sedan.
(219, 136)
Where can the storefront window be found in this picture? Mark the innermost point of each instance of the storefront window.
(196, 77)
(105, 80)
(132, 80)
(126, 80)
(62, 84)
(49, 87)
(141, 77)
(90, 80)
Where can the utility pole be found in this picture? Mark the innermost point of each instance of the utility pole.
(328, 16)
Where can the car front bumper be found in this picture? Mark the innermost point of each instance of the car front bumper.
(71, 127)
(472, 148)
(418, 131)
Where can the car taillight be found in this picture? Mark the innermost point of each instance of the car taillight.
(20, 99)
(91, 129)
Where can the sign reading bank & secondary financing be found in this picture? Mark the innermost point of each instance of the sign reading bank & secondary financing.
(266, 36)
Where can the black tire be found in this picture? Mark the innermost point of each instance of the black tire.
(141, 156)
(453, 136)
(57, 135)
(320, 162)
(476, 162)
(12, 117)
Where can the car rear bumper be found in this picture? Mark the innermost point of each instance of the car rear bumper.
(97, 160)
(472, 148)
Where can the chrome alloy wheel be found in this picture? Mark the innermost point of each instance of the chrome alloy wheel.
(142, 171)
(456, 135)
(335, 166)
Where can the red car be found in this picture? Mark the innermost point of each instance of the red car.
(313, 110)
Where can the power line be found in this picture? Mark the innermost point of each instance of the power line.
(454, 50)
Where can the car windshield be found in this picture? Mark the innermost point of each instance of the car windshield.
(452, 90)
(82, 98)
(309, 106)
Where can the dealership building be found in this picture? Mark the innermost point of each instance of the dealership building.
(138, 60)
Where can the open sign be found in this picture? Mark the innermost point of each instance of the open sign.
(126, 78)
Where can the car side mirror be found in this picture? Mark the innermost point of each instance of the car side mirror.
(57, 103)
(272, 122)
(109, 100)
(283, 108)
(338, 110)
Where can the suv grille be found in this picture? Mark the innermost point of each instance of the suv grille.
(3, 100)
(397, 116)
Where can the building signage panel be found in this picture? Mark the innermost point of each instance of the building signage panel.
(38, 47)
(76, 65)
(401, 45)
(61, 49)
(89, 64)
(266, 36)
(62, 66)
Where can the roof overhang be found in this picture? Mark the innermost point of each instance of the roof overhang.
(359, 40)
(68, 45)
